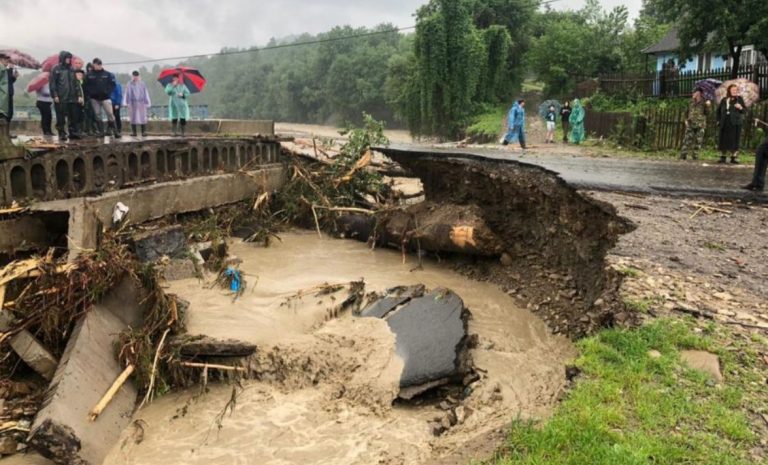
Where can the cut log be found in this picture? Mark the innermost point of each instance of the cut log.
(206, 347)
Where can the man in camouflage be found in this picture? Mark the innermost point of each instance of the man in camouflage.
(695, 126)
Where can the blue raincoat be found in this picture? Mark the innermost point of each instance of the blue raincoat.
(516, 125)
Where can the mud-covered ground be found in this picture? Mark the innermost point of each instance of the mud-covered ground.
(686, 258)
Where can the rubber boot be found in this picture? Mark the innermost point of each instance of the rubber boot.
(143, 130)
(174, 128)
(115, 132)
(183, 130)
(722, 160)
(734, 160)
(133, 130)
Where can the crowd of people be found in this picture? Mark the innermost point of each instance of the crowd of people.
(572, 123)
(83, 99)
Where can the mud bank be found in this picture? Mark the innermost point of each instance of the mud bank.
(326, 385)
(549, 240)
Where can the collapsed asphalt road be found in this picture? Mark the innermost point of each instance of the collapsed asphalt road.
(613, 174)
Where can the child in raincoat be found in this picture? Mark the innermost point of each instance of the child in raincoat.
(516, 124)
(577, 122)
(178, 108)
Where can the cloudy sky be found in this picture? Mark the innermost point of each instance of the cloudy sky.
(163, 28)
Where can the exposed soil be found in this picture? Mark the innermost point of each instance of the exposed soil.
(554, 239)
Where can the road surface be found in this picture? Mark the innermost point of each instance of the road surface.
(614, 174)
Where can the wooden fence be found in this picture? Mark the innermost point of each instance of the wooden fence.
(667, 84)
(664, 129)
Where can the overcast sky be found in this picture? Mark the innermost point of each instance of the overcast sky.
(162, 28)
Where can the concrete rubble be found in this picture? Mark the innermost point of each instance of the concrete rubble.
(62, 431)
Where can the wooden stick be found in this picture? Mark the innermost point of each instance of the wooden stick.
(96, 411)
(317, 222)
(148, 396)
(213, 366)
(346, 209)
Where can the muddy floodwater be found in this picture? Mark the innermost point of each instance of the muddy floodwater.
(326, 396)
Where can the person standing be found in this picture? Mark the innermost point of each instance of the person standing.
(565, 114)
(577, 123)
(550, 118)
(44, 103)
(136, 98)
(695, 126)
(178, 108)
(99, 85)
(117, 101)
(730, 117)
(516, 124)
(10, 74)
(761, 164)
(67, 97)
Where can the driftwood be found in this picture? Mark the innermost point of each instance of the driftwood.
(206, 347)
(104, 402)
(207, 366)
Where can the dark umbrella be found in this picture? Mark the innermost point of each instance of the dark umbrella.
(21, 59)
(544, 107)
(191, 77)
(708, 87)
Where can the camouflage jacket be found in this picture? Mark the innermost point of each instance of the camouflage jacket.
(697, 114)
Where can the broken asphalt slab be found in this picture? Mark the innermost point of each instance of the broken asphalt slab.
(430, 333)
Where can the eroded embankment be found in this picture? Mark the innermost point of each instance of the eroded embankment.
(552, 240)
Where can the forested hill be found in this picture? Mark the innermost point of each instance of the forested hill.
(328, 82)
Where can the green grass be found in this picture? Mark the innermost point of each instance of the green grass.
(631, 409)
(629, 271)
(486, 127)
(533, 86)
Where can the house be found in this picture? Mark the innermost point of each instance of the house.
(667, 49)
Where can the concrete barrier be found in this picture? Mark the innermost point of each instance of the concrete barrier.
(194, 127)
(61, 430)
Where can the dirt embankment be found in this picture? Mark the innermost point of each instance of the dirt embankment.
(554, 239)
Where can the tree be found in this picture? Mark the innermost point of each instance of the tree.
(448, 49)
(710, 25)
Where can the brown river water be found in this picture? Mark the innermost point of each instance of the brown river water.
(330, 401)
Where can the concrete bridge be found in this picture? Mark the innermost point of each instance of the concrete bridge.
(72, 189)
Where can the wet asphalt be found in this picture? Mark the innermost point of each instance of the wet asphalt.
(688, 178)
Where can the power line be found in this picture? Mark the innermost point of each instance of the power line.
(274, 47)
(271, 47)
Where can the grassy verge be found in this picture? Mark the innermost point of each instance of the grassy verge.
(631, 408)
(609, 148)
(486, 127)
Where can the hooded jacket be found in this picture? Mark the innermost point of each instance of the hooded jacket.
(63, 82)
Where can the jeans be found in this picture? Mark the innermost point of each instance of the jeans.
(97, 106)
(46, 117)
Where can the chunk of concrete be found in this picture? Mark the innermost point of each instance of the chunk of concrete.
(29, 349)
(431, 334)
(61, 430)
(703, 361)
(170, 242)
(34, 354)
(179, 268)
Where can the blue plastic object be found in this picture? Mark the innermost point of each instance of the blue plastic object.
(235, 281)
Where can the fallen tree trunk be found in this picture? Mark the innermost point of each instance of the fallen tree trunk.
(427, 226)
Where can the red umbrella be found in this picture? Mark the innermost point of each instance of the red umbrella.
(53, 60)
(190, 76)
(38, 82)
(21, 59)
